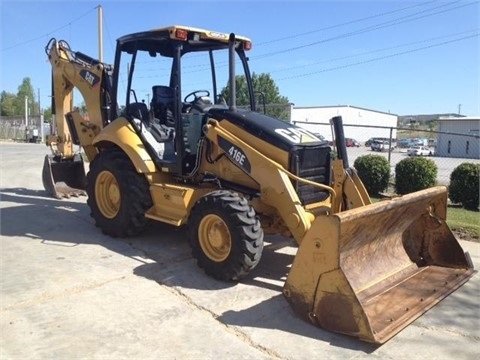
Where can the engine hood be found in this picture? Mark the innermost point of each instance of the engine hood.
(274, 131)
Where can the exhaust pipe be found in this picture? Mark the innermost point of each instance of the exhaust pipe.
(340, 140)
(231, 67)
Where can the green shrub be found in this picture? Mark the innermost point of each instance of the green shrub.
(464, 185)
(374, 171)
(413, 174)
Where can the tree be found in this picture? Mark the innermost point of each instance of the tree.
(26, 90)
(432, 125)
(47, 114)
(14, 104)
(7, 104)
(266, 92)
(82, 108)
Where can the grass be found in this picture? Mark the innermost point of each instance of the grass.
(422, 133)
(464, 221)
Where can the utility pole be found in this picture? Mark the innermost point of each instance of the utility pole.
(42, 130)
(39, 107)
(26, 112)
(100, 33)
(459, 108)
(26, 118)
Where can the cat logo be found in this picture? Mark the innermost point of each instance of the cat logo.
(90, 78)
(297, 135)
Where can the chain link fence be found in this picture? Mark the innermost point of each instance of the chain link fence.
(446, 149)
(14, 128)
(279, 111)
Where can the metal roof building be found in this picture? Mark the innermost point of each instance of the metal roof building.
(459, 137)
(359, 123)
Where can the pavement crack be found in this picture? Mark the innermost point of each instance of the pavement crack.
(234, 330)
(447, 330)
(45, 297)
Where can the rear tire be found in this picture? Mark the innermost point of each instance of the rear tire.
(118, 196)
(225, 235)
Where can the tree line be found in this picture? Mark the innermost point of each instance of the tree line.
(268, 97)
(14, 104)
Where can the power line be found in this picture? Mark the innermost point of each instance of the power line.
(50, 32)
(345, 23)
(401, 20)
(374, 51)
(379, 58)
(225, 63)
(201, 67)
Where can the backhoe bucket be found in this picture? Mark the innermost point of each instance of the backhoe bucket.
(64, 177)
(370, 271)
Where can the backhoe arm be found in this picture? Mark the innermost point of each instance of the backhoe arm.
(75, 70)
(63, 173)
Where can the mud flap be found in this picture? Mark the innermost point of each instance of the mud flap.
(371, 271)
(63, 178)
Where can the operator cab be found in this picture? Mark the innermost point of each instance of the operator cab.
(183, 63)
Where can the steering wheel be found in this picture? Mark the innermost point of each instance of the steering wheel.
(197, 94)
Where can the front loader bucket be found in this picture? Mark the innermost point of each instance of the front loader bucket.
(370, 271)
(64, 177)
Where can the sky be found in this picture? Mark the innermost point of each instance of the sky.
(402, 57)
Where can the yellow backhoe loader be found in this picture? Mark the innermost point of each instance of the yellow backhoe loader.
(194, 158)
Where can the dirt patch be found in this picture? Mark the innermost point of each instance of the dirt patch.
(462, 234)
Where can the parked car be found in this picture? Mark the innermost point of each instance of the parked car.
(420, 151)
(351, 143)
(371, 140)
(405, 143)
(376, 139)
(380, 145)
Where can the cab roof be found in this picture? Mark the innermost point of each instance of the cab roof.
(164, 40)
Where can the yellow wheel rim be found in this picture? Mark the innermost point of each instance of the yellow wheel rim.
(214, 237)
(107, 194)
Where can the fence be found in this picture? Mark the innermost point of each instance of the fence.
(13, 128)
(280, 111)
(448, 149)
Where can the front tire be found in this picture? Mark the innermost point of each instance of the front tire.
(118, 196)
(225, 235)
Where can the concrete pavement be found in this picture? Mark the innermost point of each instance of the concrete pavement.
(69, 292)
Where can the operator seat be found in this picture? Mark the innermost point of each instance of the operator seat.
(162, 126)
(162, 105)
(139, 110)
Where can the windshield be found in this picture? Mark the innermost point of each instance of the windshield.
(152, 69)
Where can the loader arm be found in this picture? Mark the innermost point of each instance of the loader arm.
(346, 191)
(276, 189)
(362, 269)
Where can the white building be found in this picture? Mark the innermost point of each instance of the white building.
(359, 123)
(459, 137)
